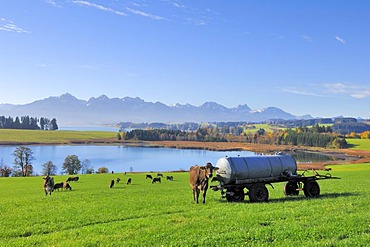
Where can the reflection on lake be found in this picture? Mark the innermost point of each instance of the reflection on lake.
(138, 159)
(305, 157)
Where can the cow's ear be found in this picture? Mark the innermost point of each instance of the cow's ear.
(216, 168)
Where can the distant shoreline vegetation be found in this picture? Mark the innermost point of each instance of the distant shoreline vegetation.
(311, 137)
(338, 125)
(327, 133)
(29, 123)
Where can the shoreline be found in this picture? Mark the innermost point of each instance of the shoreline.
(345, 156)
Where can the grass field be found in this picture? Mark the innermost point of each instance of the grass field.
(359, 144)
(60, 136)
(146, 214)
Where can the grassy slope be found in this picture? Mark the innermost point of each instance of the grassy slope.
(60, 136)
(145, 214)
(359, 144)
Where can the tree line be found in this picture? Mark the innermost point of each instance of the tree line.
(316, 136)
(27, 122)
(339, 125)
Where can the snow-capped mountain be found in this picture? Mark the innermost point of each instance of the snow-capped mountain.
(68, 110)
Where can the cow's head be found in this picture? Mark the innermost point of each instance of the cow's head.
(49, 180)
(209, 168)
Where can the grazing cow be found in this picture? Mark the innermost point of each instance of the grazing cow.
(67, 186)
(148, 176)
(170, 178)
(118, 180)
(128, 181)
(58, 186)
(48, 184)
(158, 179)
(111, 184)
(199, 176)
(159, 175)
(73, 179)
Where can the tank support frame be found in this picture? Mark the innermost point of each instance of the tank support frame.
(258, 192)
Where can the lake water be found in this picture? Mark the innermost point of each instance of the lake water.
(120, 158)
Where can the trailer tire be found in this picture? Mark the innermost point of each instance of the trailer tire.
(258, 193)
(291, 188)
(237, 195)
(311, 188)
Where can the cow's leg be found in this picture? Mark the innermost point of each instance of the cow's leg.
(46, 192)
(204, 196)
(197, 192)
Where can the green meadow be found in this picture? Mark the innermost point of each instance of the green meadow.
(146, 214)
(359, 144)
(59, 136)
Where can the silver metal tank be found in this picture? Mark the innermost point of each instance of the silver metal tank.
(234, 170)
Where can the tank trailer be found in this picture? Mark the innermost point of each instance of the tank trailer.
(255, 172)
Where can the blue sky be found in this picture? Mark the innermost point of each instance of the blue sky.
(305, 57)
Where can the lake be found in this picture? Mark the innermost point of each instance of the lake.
(120, 158)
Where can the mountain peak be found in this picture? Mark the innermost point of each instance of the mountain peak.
(67, 95)
(103, 97)
(241, 108)
(212, 105)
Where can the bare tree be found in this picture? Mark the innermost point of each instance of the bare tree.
(49, 168)
(23, 156)
(85, 166)
(5, 170)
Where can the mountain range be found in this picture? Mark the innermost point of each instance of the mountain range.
(70, 111)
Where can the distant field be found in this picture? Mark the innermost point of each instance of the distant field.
(59, 136)
(146, 214)
(359, 144)
(266, 127)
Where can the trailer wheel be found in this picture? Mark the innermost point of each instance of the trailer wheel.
(237, 195)
(258, 193)
(291, 188)
(311, 188)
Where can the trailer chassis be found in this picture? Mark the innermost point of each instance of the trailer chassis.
(258, 192)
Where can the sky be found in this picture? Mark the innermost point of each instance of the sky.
(305, 57)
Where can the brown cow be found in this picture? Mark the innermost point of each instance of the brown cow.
(67, 186)
(48, 184)
(199, 176)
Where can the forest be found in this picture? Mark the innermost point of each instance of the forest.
(316, 136)
(26, 122)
